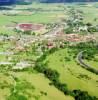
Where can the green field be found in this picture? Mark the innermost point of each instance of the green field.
(50, 13)
(70, 72)
(93, 62)
(35, 18)
(37, 81)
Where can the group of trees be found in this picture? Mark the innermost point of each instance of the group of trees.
(90, 47)
(82, 95)
(49, 73)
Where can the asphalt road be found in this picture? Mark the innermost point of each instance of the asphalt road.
(83, 64)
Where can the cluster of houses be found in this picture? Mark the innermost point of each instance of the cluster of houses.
(79, 38)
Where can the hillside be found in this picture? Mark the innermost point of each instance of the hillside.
(10, 2)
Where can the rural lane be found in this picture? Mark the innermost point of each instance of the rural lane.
(83, 64)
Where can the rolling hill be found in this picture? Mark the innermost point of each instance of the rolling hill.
(10, 2)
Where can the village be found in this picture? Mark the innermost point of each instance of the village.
(22, 42)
